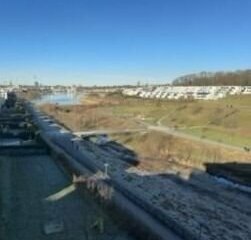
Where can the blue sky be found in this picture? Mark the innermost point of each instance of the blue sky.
(121, 41)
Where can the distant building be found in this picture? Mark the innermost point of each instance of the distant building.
(187, 92)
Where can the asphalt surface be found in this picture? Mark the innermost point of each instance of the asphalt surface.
(43, 198)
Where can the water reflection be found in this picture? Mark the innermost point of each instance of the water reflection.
(60, 99)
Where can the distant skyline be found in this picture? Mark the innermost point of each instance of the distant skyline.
(99, 42)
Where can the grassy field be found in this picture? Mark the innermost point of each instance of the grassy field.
(224, 120)
(227, 120)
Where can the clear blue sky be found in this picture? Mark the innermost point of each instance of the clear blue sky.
(121, 41)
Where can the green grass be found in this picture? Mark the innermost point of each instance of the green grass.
(219, 135)
(226, 120)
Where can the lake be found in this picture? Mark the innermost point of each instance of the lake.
(60, 99)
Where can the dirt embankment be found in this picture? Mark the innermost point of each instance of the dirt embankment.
(156, 150)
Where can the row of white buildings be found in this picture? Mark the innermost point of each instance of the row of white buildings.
(188, 92)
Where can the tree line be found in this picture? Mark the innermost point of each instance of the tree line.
(236, 78)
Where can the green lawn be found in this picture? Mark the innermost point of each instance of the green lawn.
(220, 135)
(226, 120)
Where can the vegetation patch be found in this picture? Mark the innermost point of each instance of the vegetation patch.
(218, 120)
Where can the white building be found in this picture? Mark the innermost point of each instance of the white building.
(182, 92)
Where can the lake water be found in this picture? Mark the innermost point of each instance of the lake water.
(60, 99)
